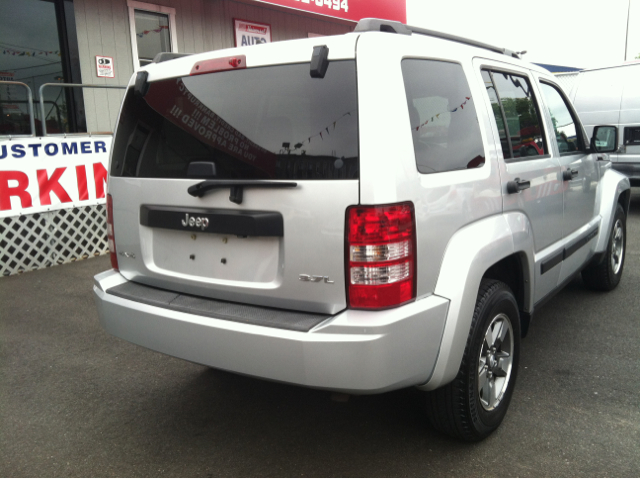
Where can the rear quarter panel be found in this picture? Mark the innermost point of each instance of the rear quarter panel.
(444, 202)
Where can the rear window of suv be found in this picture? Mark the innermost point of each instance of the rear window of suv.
(444, 125)
(271, 122)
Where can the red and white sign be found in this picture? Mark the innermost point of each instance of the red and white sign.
(7, 76)
(251, 33)
(43, 174)
(353, 10)
(104, 67)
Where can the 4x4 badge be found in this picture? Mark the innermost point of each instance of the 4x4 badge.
(315, 279)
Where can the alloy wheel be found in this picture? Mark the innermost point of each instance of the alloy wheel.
(496, 359)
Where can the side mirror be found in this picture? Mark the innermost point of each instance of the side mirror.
(604, 139)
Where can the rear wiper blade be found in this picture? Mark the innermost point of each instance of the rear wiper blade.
(237, 186)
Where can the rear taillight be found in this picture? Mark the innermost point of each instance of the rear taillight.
(381, 259)
(110, 234)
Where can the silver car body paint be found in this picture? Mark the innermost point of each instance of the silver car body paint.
(466, 222)
(611, 187)
(254, 270)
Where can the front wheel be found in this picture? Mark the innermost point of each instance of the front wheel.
(475, 403)
(606, 275)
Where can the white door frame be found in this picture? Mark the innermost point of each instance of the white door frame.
(149, 7)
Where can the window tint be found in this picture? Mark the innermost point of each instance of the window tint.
(632, 139)
(497, 112)
(444, 125)
(519, 113)
(564, 126)
(257, 123)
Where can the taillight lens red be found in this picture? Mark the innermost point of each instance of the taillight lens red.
(110, 234)
(381, 259)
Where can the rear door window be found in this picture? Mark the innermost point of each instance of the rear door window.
(271, 122)
(516, 113)
(444, 125)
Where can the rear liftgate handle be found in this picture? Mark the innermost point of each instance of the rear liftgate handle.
(517, 185)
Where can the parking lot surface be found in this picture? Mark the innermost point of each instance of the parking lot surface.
(75, 401)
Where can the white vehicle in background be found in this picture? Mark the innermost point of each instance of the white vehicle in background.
(611, 96)
(359, 213)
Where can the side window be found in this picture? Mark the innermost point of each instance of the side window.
(444, 125)
(632, 139)
(516, 112)
(497, 112)
(564, 124)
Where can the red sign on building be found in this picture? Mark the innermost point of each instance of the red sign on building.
(353, 10)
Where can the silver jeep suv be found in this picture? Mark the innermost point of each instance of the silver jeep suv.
(358, 213)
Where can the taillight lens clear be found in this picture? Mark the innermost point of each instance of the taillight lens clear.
(110, 235)
(381, 259)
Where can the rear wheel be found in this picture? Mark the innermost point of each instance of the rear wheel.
(474, 404)
(606, 275)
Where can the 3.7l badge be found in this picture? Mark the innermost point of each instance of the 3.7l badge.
(315, 279)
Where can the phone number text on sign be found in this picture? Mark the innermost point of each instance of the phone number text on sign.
(333, 4)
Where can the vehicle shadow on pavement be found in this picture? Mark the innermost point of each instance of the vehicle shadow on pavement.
(294, 429)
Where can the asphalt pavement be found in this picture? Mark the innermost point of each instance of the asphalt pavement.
(75, 401)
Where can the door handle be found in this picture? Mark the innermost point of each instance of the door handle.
(517, 185)
(568, 175)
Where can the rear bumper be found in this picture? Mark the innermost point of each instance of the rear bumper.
(353, 351)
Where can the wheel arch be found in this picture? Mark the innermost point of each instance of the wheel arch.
(624, 199)
(513, 270)
(614, 189)
(492, 245)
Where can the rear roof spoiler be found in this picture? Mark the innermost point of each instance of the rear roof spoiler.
(389, 26)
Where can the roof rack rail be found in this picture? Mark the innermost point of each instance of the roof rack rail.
(378, 25)
(166, 56)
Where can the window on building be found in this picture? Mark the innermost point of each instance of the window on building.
(38, 45)
(152, 31)
(444, 125)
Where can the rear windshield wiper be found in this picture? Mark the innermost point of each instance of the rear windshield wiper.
(200, 189)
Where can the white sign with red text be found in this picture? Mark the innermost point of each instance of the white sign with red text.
(104, 67)
(44, 174)
(251, 33)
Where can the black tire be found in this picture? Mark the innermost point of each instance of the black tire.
(606, 274)
(458, 409)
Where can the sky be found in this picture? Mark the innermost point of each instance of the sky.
(582, 34)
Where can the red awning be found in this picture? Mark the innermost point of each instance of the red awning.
(352, 10)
